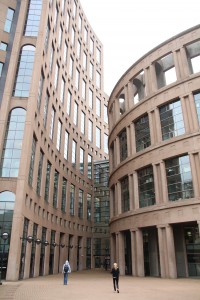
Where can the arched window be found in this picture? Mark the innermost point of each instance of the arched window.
(11, 154)
(24, 71)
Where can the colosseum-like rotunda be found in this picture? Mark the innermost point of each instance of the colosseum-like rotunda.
(154, 148)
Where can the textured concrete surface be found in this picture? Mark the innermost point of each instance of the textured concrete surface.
(97, 285)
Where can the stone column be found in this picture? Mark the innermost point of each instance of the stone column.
(171, 252)
(117, 151)
(153, 82)
(184, 63)
(126, 92)
(135, 190)
(140, 253)
(133, 252)
(130, 94)
(158, 125)
(194, 171)
(28, 252)
(162, 249)
(178, 64)
(112, 249)
(37, 252)
(47, 253)
(121, 260)
(129, 144)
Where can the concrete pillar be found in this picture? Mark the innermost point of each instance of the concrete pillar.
(171, 252)
(164, 182)
(126, 92)
(133, 252)
(194, 162)
(112, 249)
(37, 253)
(129, 144)
(158, 126)
(156, 182)
(131, 194)
(140, 253)
(117, 151)
(130, 94)
(47, 253)
(135, 189)
(184, 62)
(28, 252)
(153, 81)
(121, 260)
(178, 64)
(162, 249)
(117, 247)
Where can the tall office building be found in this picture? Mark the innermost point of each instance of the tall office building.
(154, 149)
(53, 127)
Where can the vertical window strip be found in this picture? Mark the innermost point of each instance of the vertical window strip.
(32, 161)
(55, 189)
(33, 18)
(39, 177)
(47, 183)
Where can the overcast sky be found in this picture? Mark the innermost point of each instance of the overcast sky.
(130, 28)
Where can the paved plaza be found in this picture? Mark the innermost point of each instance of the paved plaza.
(97, 285)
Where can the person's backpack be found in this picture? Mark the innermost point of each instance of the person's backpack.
(66, 268)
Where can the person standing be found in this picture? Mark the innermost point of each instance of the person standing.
(115, 275)
(66, 270)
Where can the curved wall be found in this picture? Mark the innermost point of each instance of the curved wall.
(154, 155)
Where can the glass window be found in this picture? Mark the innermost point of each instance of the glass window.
(69, 99)
(146, 187)
(72, 199)
(40, 89)
(47, 182)
(142, 133)
(75, 113)
(39, 176)
(82, 122)
(123, 145)
(98, 79)
(90, 130)
(81, 168)
(67, 21)
(91, 46)
(171, 119)
(3, 46)
(89, 166)
(32, 162)
(80, 23)
(85, 35)
(1, 68)
(51, 58)
(33, 18)
(74, 9)
(197, 104)
(105, 143)
(62, 90)
(64, 195)
(55, 17)
(78, 50)
(105, 113)
(98, 106)
(74, 146)
(65, 53)
(60, 37)
(125, 205)
(55, 189)
(90, 98)
(71, 65)
(9, 18)
(77, 79)
(46, 42)
(80, 204)
(89, 207)
(84, 61)
(24, 72)
(52, 123)
(98, 137)
(46, 105)
(73, 37)
(56, 76)
(179, 178)
(91, 71)
(98, 55)
(66, 145)
(59, 134)
(11, 153)
(83, 89)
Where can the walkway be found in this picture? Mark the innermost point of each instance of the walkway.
(97, 285)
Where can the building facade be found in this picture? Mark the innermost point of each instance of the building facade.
(154, 150)
(53, 127)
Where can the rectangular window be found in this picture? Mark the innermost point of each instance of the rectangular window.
(105, 143)
(67, 21)
(98, 137)
(179, 178)
(91, 46)
(80, 204)
(85, 35)
(52, 123)
(98, 55)
(47, 183)
(66, 145)
(78, 50)
(91, 71)
(105, 113)
(71, 66)
(32, 162)
(142, 133)
(81, 167)
(51, 58)
(65, 53)
(9, 18)
(55, 189)
(3, 46)
(89, 207)
(40, 89)
(98, 106)
(90, 130)
(123, 145)
(171, 118)
(64, 195)
(90, 98)
(82, 122)
(125, 201)
(55, 17)
(62, 90)
(46, 105)
(72, 199)
(84, 61)
(73, 37)
(46, 42)
(98, 79)
(197, 104)
(74, 9)
(74, 146)
(39, 177)
(75, 113)
(146, 187)
(60, 37)
(1, 68)
(56, 76)
(97, 210)
(89, 166)
(33, 18)
(69, 100)
(80, 23)
(59, 133)
(77, 79)
(83, 89)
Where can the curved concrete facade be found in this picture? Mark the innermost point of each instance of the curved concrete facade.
(154, 150)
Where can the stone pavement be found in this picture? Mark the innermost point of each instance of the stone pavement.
(97, 285)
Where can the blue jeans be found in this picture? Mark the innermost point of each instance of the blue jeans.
(65, 278)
